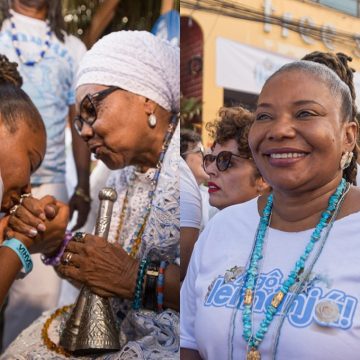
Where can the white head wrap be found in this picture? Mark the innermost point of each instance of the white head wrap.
(135, 61)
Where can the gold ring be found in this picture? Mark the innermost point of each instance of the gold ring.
(79, 236)
(67, 258)
(14, 209)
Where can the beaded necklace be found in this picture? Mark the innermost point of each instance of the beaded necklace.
(254, 340)
(305, 275)
(135, 241)
(136, 238)
(15, 41)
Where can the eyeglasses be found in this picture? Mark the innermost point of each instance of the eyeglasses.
(223, 159)
(88, 113)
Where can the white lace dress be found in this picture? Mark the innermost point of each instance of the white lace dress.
(144, 334)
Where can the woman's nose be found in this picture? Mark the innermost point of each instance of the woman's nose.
(211, 168)
(282, 127)
(87, 132)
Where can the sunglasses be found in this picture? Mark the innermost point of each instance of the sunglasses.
(88, 113)
(223, 159)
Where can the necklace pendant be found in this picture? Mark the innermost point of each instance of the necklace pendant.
(253, 354)
(248, 297)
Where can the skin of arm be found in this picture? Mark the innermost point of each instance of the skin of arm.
(189, 354)
(188, 237)
(10, 265)
(166, 6)
(82, 163)
(100, 21)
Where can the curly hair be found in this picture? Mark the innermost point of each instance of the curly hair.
(234, 123)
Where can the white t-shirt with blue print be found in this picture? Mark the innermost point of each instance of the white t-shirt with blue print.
(50, 85)
(322, 323)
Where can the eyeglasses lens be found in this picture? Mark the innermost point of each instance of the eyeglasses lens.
(88, 110)
(223, 160)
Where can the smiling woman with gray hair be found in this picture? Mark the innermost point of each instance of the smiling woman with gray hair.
(127, 105)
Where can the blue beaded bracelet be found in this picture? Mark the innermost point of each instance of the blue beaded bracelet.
(139, 285)
(22, 252)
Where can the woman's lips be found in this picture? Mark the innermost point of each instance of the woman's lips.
(285, 157)
(213, 187)
(96, 150)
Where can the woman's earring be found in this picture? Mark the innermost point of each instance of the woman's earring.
(346, 160)
(152, 120)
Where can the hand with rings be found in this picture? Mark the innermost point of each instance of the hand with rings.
(103, 267)
(29, 216)
(66, 259)
(42, 221)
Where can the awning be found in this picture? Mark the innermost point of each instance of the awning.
(245, 68)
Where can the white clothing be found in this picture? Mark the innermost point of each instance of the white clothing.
(190, 198)
(38, 291)
(49, 83)
(147, 335)
(208, 211)
(358, 175)
(140, 63)
(208, 302)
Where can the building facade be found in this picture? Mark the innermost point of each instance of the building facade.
(229, 48)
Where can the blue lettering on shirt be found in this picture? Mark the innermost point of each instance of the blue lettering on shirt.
(302, 310)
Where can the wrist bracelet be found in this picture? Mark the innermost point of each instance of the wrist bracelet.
(22, 252)
(81, 192)
(149, 298)
(139, 285)
(160, 286)
(56, 259)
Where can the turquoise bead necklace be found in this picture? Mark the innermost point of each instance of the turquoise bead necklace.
(254, 340)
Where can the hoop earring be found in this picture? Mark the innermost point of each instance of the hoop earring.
(152, 120)
(346, 160)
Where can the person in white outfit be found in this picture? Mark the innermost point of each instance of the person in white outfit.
(32, 34)
(277, 277)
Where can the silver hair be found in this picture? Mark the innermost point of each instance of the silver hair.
(336, 85)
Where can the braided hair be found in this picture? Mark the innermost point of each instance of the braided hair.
(9, 73)
(339, 63)
(15, 104)
(54, 15)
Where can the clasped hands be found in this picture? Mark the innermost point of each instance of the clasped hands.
(41, 223)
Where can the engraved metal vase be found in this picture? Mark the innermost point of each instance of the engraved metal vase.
(91, 328)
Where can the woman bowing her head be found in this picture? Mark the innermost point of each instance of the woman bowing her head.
(128, 98)
(289, 267)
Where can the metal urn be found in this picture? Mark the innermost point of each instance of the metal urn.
(91, 328)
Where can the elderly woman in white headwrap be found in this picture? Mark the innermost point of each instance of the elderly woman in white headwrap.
(127, 103)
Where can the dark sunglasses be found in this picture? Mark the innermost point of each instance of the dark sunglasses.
(88, 113)
(223, 159)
